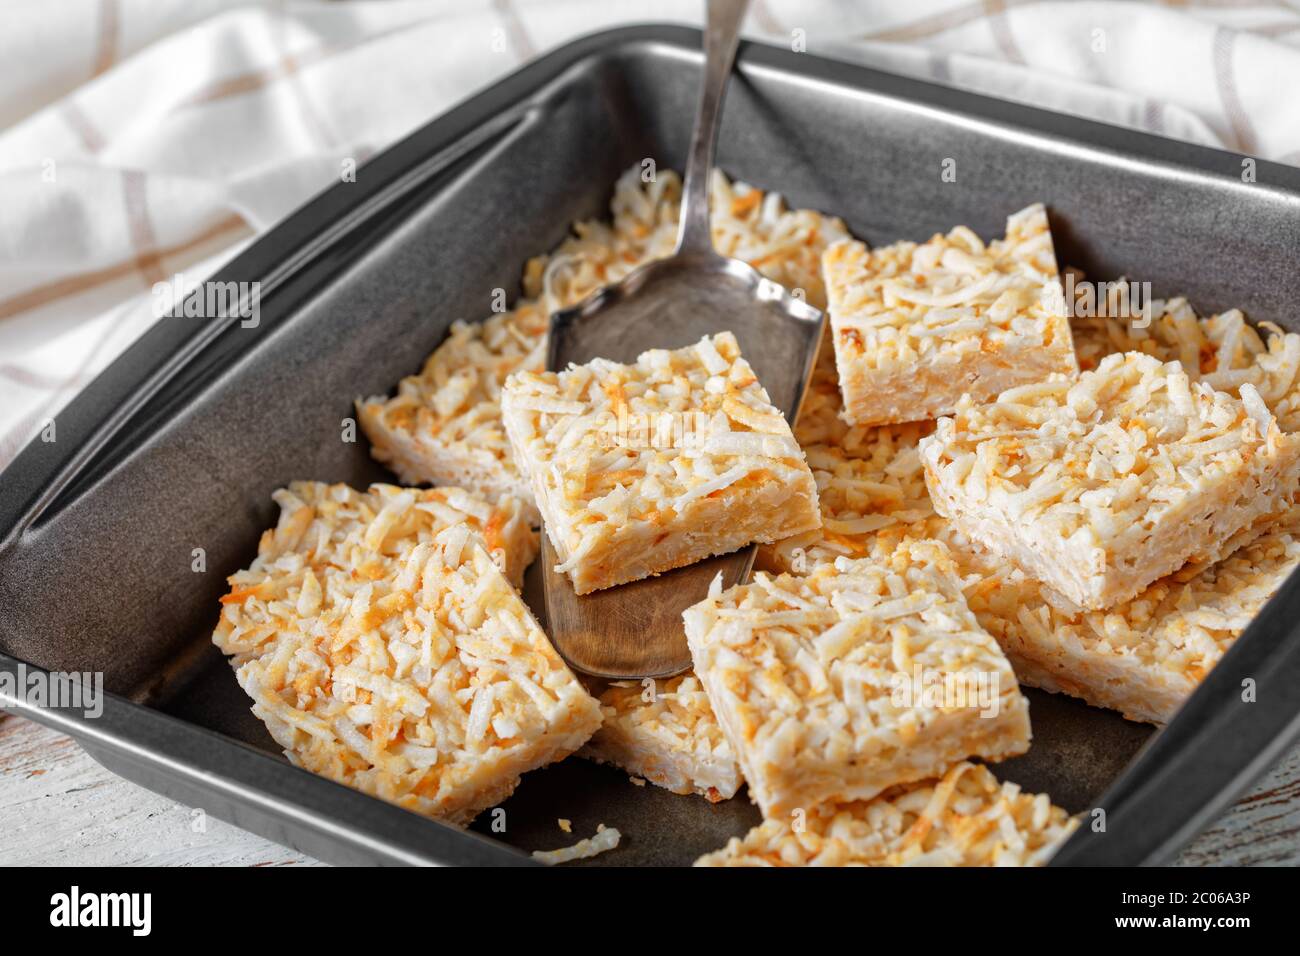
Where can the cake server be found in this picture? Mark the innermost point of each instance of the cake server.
(635, 630)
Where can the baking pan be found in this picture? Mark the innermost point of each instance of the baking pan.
(180, 443)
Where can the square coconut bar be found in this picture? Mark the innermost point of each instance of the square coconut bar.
(418, 677)
(444, 425)
(665, 732)
(1145, 656)
(917, 326)
(857, 677)
(1101, 486)
(639, 469)
(963, 818)
(335, 529)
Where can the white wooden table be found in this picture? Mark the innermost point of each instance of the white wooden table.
(57, 806)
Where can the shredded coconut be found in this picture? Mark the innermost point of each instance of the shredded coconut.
(916, 326)
(606, 838)
(965, 818)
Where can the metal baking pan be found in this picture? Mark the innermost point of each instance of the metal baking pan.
(179, 444)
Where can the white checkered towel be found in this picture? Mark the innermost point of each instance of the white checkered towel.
(144, 138)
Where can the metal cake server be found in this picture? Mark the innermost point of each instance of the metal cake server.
(635, 630)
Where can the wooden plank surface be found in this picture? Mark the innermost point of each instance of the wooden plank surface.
(57, 806)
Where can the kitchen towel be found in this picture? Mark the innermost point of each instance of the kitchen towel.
(146, 139)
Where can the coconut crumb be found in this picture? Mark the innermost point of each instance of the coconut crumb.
(606, 838)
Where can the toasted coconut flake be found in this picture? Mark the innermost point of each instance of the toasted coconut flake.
(606, 838)
(325, 529)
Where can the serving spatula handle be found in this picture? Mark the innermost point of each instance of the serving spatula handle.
(721, 37)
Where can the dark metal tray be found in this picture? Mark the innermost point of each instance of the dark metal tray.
(180, 443)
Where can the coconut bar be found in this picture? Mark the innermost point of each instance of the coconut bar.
(1099, 487)
(639, 469)
(325, 529)
(964, 818)
(1145, 656)
(665, 732)
(414, 673)
(857, 677)
(917, 326)
(444, 425)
